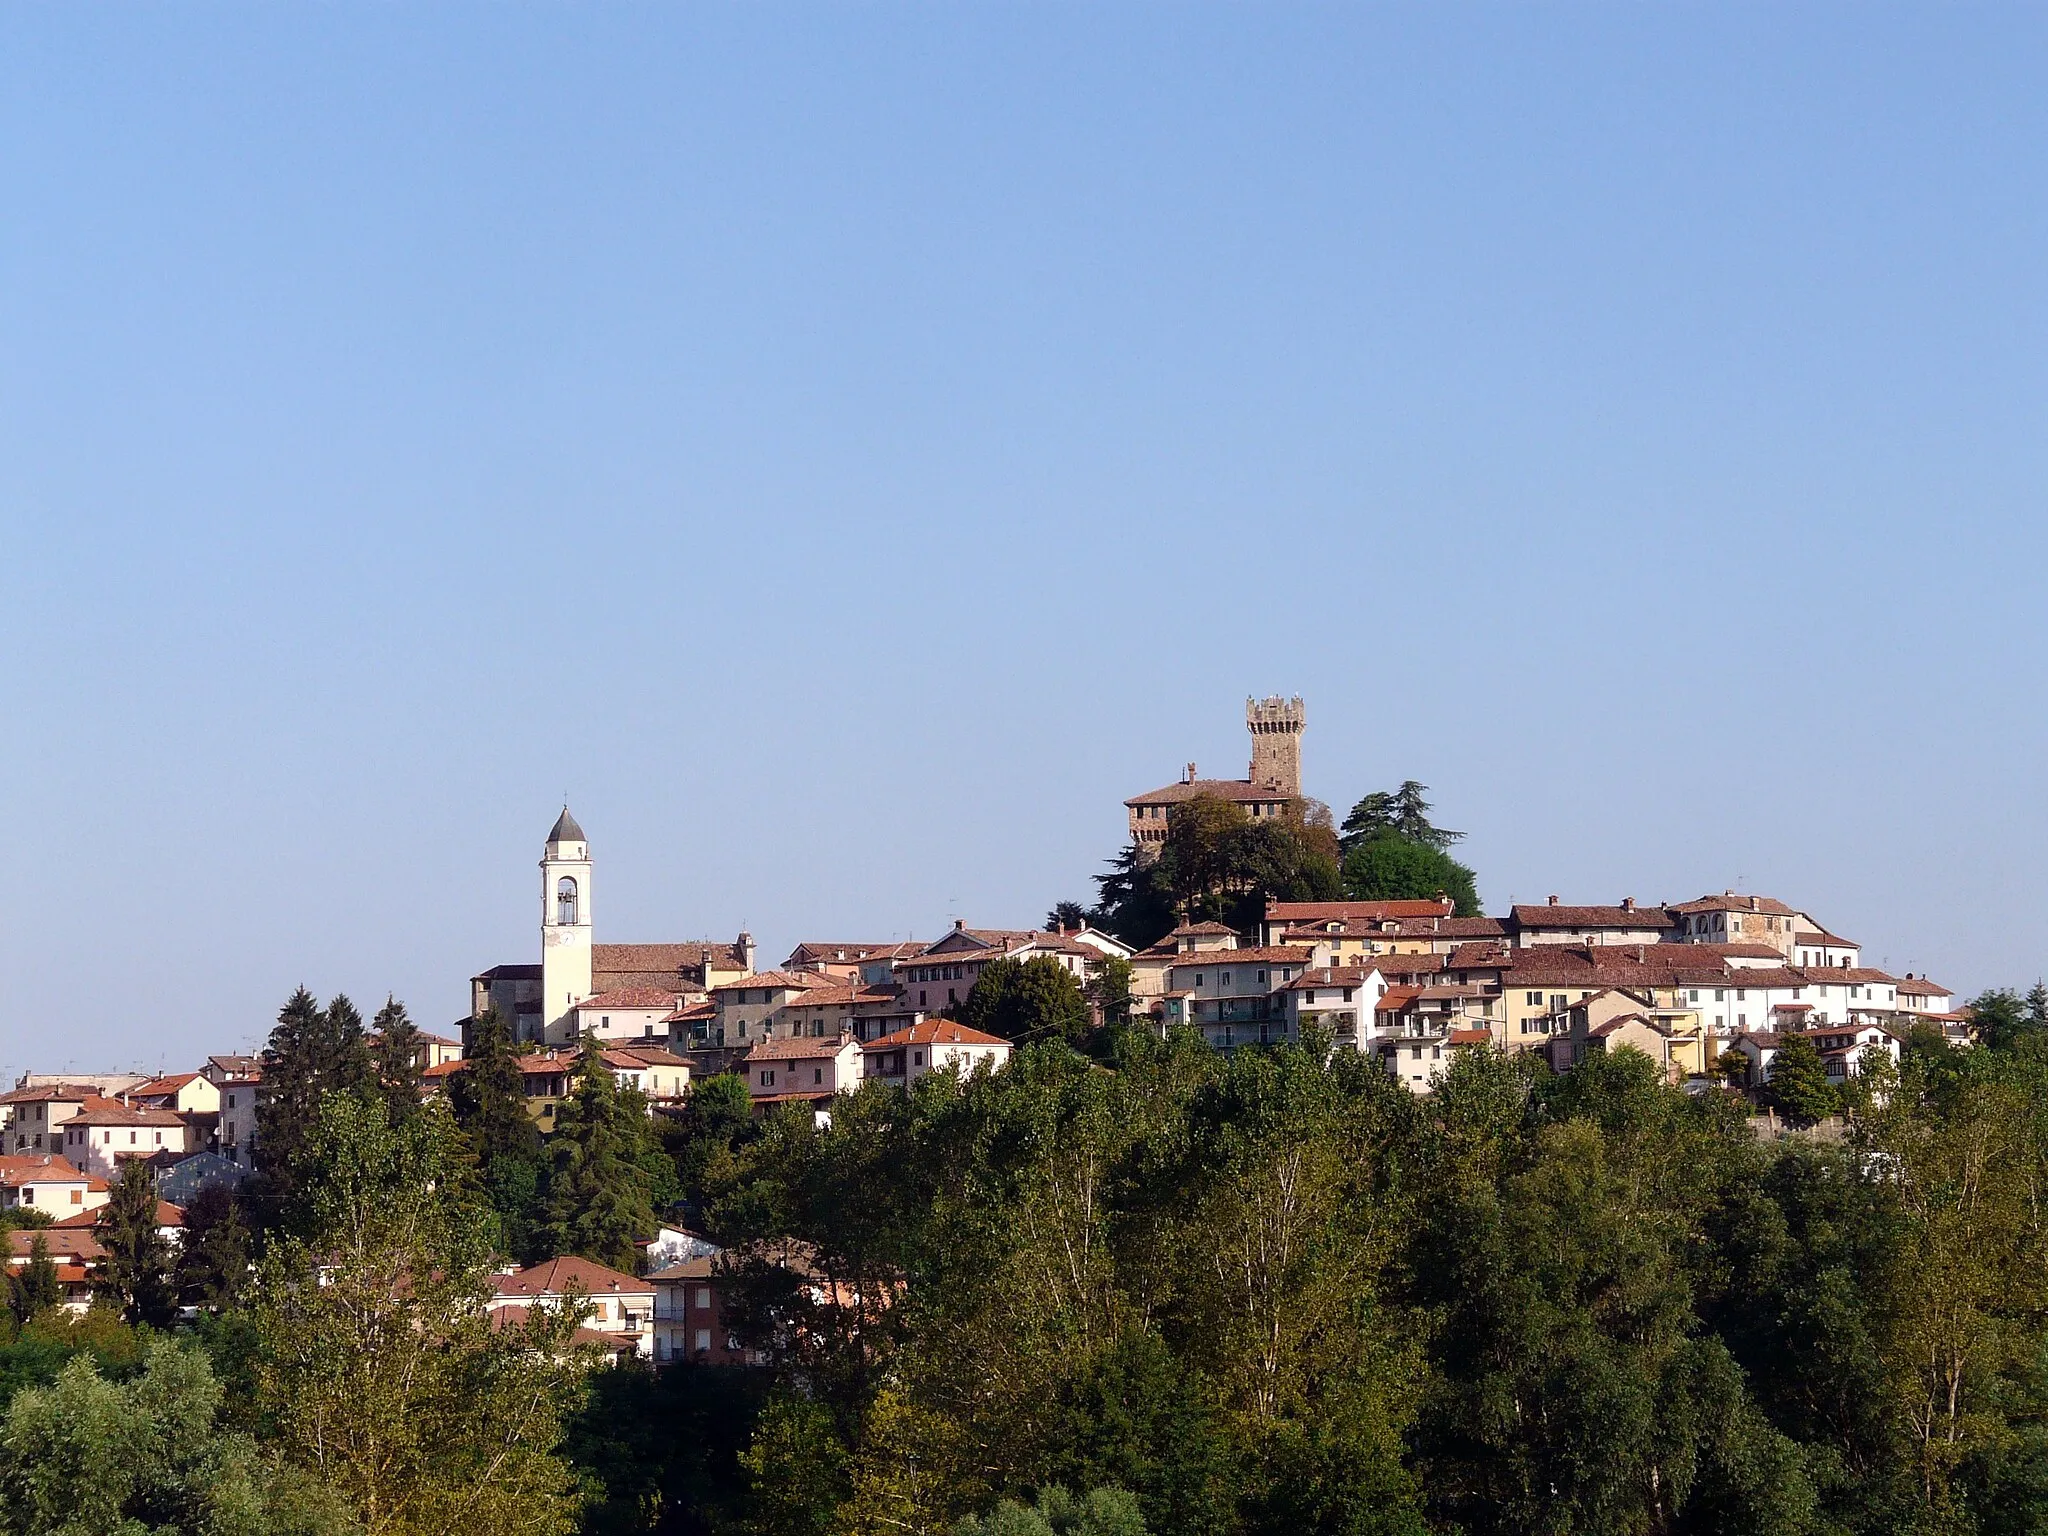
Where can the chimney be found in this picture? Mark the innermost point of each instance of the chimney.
(1753, 904)
(1189, 776)
(959, 923)
(1628, 903)
(1553, 901)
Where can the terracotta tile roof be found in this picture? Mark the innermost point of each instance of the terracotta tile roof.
(161, 1086)
(1728, 901)
(787, 981)
(52, 1093)
(813, 951)
(803, 1048)
(629, 1056)
(38, 1168)
(1548, 916)
(1209, 959)
(1239, 791)
(555, 1276)
(1331, 976)
(1920, 986)
(64, 1243)
(1601, 1031)
(106, 1112)
(167, 1215)
(1203, 931)
(934, 1032)
(1824, 941)
(444, 1069)
(692, 1013)
(1395, 999)
(840, 994)
(1471, 1036)
(614, 966)
(629, 997)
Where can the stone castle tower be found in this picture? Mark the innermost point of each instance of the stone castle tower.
(1276, 725)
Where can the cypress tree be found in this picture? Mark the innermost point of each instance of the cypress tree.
(599, 1199)
(213, 1257)
(311, 1053)
(398, 1053)
(489, 1100)
(137, 1270)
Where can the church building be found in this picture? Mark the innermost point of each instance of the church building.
(541, 1003)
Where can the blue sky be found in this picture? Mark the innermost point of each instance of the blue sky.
(849, 449)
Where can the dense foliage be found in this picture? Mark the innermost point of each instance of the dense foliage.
(1219, 865)
(1272, 1294)
(1164, 1291)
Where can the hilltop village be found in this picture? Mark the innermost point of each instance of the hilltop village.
(1712, 990)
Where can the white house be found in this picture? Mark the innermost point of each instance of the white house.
(43, 1181)
(620, 1306)
(935, 1045)
(101, 1135)
(1338, 999)
(626, 1016)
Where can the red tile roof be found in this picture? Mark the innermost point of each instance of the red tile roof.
(556, 1276)
(1728, 901)
(803, 1048)
(934, 1032)
(167, 1215)
(160, 1086)
(63, 1243)
(1238, 791)
(787, 981)
(38, 1168)
(630, 997)
(1548, 916)
(1209, 959)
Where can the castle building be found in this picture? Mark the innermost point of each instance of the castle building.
(540, 1003)
(1272, 784)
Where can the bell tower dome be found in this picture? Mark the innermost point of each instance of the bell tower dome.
(565, 946)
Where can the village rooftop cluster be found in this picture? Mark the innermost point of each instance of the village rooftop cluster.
(1709, 989)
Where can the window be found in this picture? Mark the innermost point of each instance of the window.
(704, 1297)
(565, 901)
(1224, 979)
(1720, 993)
(817, 1075)
(1415, 1052)
(1198, 974)
(703, 1340)
(1535, 999)
(917, 1058)
(767, 1078)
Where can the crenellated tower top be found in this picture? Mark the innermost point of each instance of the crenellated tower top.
(1276, 724)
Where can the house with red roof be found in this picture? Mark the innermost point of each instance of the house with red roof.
(619, 1307)
(933, 1045)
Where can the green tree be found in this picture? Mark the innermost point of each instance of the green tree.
(1404, 813)
(716, 1120)
(1025, 1000)
(136, 1273)
(34, 1288)
(1798, 1084)
(599, 1193)
(213, 1256)
(89, 1455)
(400, 1059)
(1055, 1512)
(313, 1052)
(1110, 988)
(1065, 915)
(1390, 867)
(376, 1364)
(488, 1097)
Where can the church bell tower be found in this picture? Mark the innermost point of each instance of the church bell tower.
(564, 927)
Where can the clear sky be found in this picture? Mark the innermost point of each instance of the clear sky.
(849, 449)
